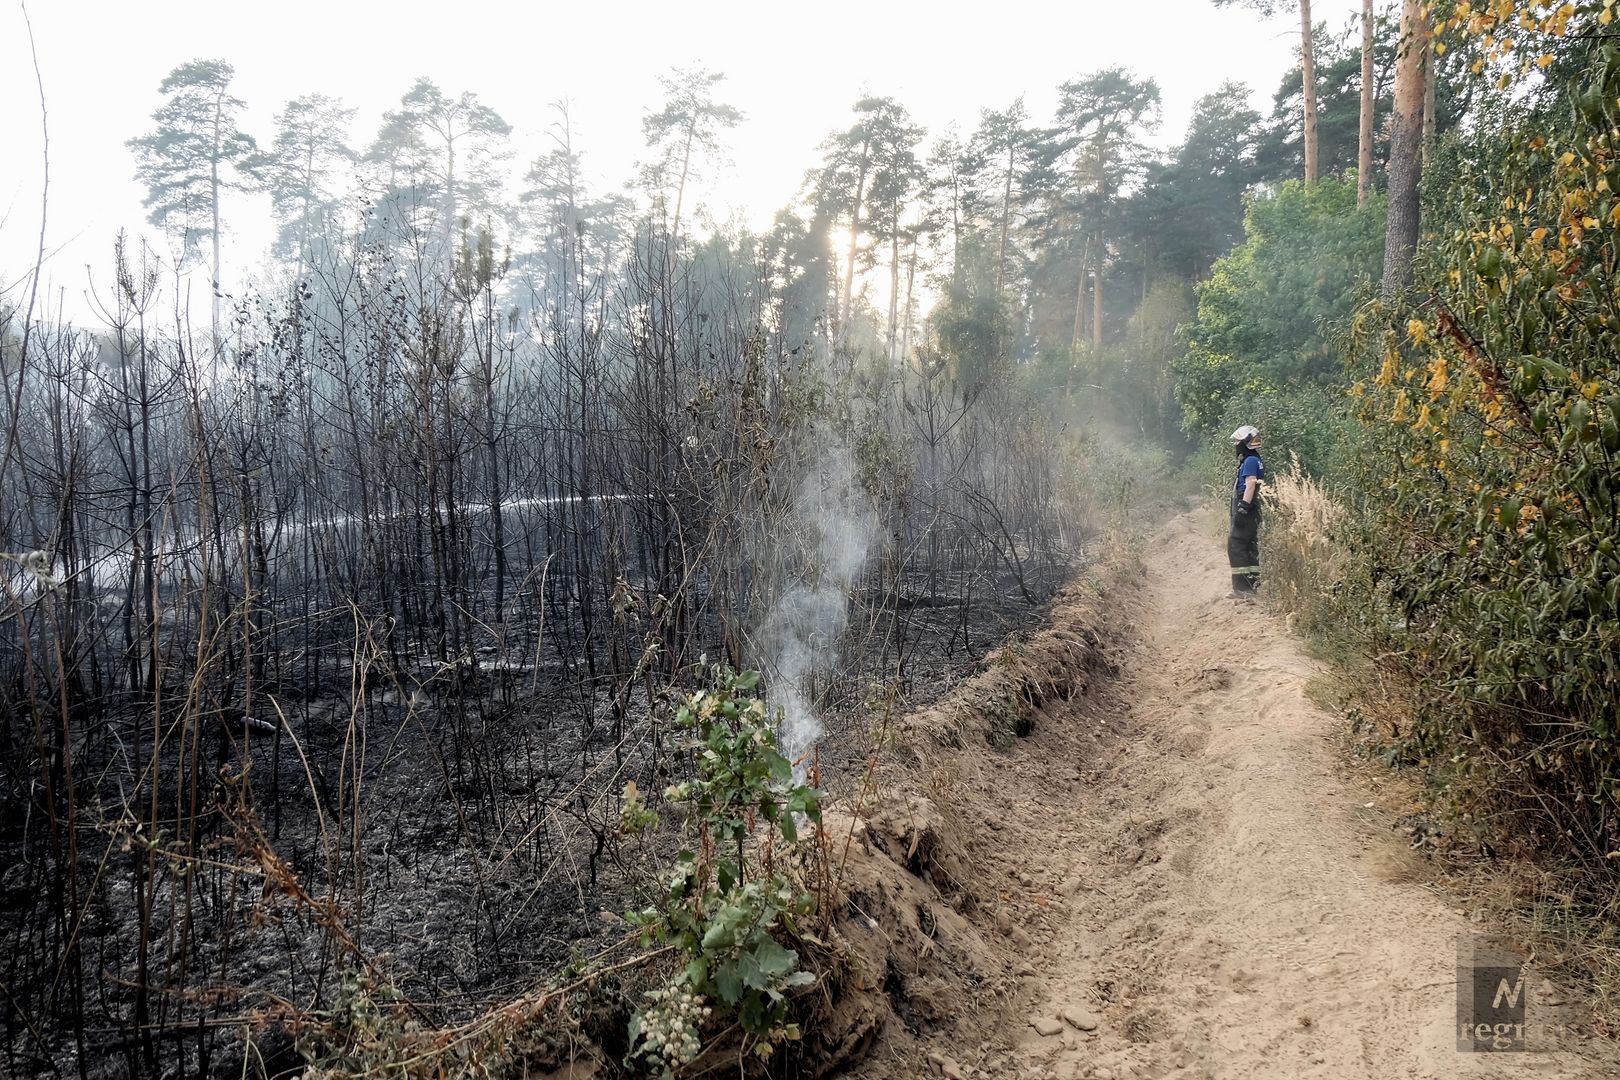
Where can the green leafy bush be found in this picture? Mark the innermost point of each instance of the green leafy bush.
(1267, 315)
(1492, 523)
(732, 891)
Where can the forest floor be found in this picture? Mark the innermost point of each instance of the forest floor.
(1188, 877)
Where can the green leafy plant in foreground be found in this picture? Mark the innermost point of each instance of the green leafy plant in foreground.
(732, 891)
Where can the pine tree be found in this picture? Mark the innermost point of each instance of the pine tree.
(437, 159)
(298, 171)
(567, 232)
(1104, 118)
(196, 153)
(896, 184)
(1191, 208)
(948, 193)
(865, 169)
(1406, 149)
(1001, 152)
(689, 123)
(1307, 61)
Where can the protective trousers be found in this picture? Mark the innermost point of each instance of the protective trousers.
(1243, 548)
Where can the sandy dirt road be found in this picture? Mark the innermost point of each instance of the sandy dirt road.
(1228, 899)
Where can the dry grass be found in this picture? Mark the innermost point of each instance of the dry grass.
(1302, 557)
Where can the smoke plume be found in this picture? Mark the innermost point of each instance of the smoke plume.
(831, 535)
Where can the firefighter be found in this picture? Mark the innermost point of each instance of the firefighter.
(1243, 544)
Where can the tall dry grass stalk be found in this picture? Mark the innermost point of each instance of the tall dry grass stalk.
(1302, 556)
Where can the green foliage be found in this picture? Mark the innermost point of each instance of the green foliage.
(730, 893)
(1124, 389)
(1267, 315)
(1338, 89)
(1141, 382)
(1310, 424)
(365, 1032)
(1190, 209)
(1105, 116)
(635, 816)
(1491, 528)
(970, 326)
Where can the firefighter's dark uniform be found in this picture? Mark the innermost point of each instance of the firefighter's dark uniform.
(1243, 544)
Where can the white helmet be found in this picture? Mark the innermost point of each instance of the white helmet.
(1244, 434)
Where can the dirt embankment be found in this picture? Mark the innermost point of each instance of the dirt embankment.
(1131, 849)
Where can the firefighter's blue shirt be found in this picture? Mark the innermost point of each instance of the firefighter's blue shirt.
(1252, 466)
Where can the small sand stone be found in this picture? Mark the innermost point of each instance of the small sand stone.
(1080, 1019)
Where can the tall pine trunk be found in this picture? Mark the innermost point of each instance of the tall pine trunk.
(450, 199)
(1097, 300)
(1364, 160)
(303, 215)
(1006, 224)
(1430, 76)
(213, 205)
(911, 281)
(1405, 149)
(1307, 58)
(894, 286)
(1080, 294)
(854, 240)
(956, 229)
(680, 187)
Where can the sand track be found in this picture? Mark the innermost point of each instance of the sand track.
(1224, 903)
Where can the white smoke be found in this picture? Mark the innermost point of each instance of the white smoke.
(834, 529)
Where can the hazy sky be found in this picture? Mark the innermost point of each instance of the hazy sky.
(794, 69)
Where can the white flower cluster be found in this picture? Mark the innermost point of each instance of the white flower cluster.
(669, 1025)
